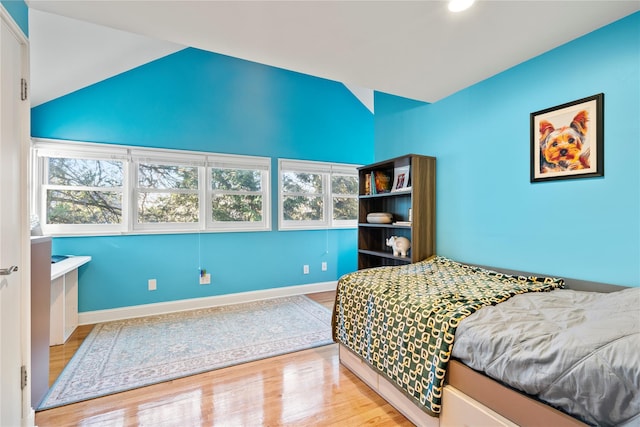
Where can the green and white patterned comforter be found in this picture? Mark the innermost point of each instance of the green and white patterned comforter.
(402, 320)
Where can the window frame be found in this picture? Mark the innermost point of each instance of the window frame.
(327, 170)
(45, 152)
(164, 158)
(132, 157)
(342, 223)
(245, 163)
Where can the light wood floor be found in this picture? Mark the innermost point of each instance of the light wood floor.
(306, 388)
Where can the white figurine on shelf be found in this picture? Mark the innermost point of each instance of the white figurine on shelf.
(400, 245)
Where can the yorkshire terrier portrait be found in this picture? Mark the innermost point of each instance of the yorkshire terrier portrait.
(564, 149)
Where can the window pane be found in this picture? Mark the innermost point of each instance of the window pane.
(302, 208)
(163, 207)
(342, 184)
(345, 208)
(167, 176)
(84, 207)
(237, 207)
(82, 172)
(299, 182)
(236, 179)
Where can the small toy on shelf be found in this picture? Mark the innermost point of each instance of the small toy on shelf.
(400, 245)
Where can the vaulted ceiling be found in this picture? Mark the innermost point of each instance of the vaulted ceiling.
(414, 49)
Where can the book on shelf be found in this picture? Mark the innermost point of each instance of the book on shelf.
(381, 182)
(408, 223)
(401, 178)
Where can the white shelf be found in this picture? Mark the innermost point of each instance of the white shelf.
(64, 298)
(65, 266)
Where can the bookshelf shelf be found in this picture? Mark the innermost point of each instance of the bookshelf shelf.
(366, 224)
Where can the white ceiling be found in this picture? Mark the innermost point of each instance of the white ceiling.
(414, 49)
(68, 54)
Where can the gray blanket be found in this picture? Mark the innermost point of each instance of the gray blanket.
(578, 351)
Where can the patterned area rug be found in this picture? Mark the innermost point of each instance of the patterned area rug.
(122, 355)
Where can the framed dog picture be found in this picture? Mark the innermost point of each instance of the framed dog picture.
(567, 141)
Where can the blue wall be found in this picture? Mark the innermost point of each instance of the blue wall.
(19, 12)
(196, 100)
(487, 210)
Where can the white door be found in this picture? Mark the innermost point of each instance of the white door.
(12, 242)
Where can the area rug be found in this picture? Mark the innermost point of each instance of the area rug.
(127, 354)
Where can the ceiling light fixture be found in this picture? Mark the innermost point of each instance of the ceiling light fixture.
(459, 5)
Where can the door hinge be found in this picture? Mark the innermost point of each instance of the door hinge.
(23, 90)
(23, 377)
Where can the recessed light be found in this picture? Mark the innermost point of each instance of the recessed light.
(459, 5)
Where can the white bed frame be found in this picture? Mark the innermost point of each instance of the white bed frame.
(469, 399)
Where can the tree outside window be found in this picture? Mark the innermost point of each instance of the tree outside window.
(317, 195)
(84, 191)
(167, 193)
(236, 195)
(86, 188)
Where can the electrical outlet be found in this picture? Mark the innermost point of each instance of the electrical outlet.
(205, 279)
(324, 266)
(305, 269)
(152, 284)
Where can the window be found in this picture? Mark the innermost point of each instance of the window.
(344, 196)
(98, 188)
(317, 195)
(239, 192)
(167, 193)
(82, 191)
(166, 189)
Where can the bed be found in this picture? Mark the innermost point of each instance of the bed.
(449, 343)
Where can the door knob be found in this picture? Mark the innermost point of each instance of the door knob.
(8, 271)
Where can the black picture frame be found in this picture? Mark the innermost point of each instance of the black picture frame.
(567, 141)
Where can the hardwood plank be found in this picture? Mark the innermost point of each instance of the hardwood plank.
(60, 355)
(308, 387)
(327, 298)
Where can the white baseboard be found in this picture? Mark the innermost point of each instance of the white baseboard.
(99, 316)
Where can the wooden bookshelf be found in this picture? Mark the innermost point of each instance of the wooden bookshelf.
(419, 197)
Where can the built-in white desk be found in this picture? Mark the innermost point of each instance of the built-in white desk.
(64, 298)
